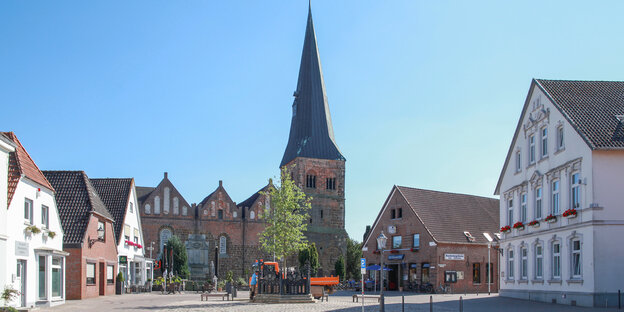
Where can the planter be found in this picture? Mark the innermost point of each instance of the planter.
(519, 228)
(534, 224)
(572, 216)
(507, 231)
(552, 220)
(118, 288)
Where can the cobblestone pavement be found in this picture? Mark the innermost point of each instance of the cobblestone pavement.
(341, 301)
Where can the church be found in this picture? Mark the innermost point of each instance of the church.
(221, 235)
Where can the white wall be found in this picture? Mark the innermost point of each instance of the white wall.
(16, 225)
(133, 220)
(4, 168)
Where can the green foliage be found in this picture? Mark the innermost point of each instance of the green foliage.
(229, 276)
(120, 277)
(241, 282)
(8, 294)
(221, 284)
(8, 309)
(33, 229)
(51, 234)
(309, 253)
(339, 266)
(159, 281)
(286, 218)
(180, 258)
(354, 253)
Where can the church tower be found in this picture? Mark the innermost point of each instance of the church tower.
(316, 163)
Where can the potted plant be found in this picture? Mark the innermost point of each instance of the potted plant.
(551, 219)
(534, 223)
(119, 283)
(51, 234)
(394, 251)
(570, 213)
(505, 229)
(8, 294)
(33, 229)
(220, 285)
(518, 226)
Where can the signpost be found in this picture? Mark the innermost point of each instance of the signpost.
(363, 271)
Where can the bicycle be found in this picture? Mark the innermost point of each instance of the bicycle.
(445, 289)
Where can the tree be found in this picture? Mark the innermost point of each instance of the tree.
(180, 259)
(354, 253)
(285, 219)
(310, 254)
(339, 266)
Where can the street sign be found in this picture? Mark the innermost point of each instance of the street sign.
(363, 263)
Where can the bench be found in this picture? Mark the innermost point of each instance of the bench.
(357, 297)
(223, 296)
(324, 296)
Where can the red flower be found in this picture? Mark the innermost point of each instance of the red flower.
(570, 212)
(505, 228)
(518, 225)
(533, 223)
(394, 251)
(550, 217)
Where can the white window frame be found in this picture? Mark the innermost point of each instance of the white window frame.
(523, 207)
(58, 266)
(555, 205)
(103, 226)
(539, 207)
(574, 253)
(518, 161)
(539, 262)
(575, 190)
(397, 241)
(510, 263)
(28, 211)
(544, 142)
(223, 245)
(45, 216)
(94, 273)
(560, 138)
(556, 260)
(524, 263)
(510, 211)
(532, 149)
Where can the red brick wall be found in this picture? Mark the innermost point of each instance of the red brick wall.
(99, 253)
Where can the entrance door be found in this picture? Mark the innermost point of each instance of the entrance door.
(424, 273)
(20, 281)
(102, 279)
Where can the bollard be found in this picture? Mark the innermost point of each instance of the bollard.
(619, 299)
(430, 303)
(461, 304)
(402, 301)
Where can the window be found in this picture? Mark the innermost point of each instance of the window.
(510, 211)
(396, 242)
(532, 149)
(524, 265)
(109, 274)
(42, 277)
(518, 162)
(544, 142)
(576, 188)
(555, 197)
(220, 214)
(90, 273)
(416, 244)
(252, 215)
(126, 232)
(176, 206)
(556, 260)
(330, 183)
(148, 209)
(184, 210)
(321, 213)
(166, 201)
(165, 234)
(311, 181)
(560, 138)
(393, 214)
(490, 268)
(131, 208)
(576, 259)
(510, 264)
(157, 205)
(476, 273)
(539, 262)
(57, 277)
(45, 216)
(136, 236)
(523, 207)
(101, 230)
(28, 210)
(400, 213)
(538, 203)
(223, 245)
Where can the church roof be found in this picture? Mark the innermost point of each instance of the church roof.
(311, 131)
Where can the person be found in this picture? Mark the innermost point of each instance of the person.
(252, 285)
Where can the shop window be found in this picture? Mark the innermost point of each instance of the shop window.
(450, 276)
(42, 277)
(476, 273)
(110, 269)
(90, 273)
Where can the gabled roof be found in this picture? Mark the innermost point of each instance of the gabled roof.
(20, 164)
(115, 193)
(590, 107)
(446, 216)
(76, 199)
(143, 192)
(221, 188)
(311, 130)
(253, 198)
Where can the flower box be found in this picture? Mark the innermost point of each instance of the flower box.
(394, 251)
(518, 226)
(414, 249)
(551, 219)
(570, 213)
(534, 223)
(505, 229)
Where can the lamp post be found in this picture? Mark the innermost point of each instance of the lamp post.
(381, 245)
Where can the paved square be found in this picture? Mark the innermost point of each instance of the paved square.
(340, 301)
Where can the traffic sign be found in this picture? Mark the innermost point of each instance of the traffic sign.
(363, 263)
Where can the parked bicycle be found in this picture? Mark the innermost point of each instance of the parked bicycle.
(445, 289)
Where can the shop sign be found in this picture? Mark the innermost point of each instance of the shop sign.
(396, 257)
(453, 256)
(21, 249)
(123, 259)
(413, 265)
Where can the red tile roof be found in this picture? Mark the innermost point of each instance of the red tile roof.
(20, 164)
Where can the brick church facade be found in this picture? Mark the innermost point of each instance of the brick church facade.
(221, 235)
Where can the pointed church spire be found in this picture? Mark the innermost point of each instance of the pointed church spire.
(311, 131)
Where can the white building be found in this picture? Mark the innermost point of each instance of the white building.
(562, 179)
(35, 263)
(6, 146)
(119, 196)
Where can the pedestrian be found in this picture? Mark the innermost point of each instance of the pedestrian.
(252, 285)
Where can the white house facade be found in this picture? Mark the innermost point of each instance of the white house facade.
(6, 146)
(561, 203)
(35, 263)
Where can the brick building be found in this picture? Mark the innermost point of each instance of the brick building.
(312, 155)
(219, 234)
(436, 237)
(89, 236)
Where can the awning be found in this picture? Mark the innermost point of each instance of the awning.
(376, 267)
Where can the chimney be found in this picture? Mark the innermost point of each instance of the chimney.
(165, 174)
(220, 183)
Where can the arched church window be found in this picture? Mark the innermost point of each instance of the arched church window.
(252, 215)
(166, 204)
(223, 245)
(157, 205)
(165, 235)
(148, 209)
(176, 206)
(184, 210)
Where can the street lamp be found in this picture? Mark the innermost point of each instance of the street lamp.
(381, 245)
(488, 265)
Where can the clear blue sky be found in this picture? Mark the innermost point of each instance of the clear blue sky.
(422, 93)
